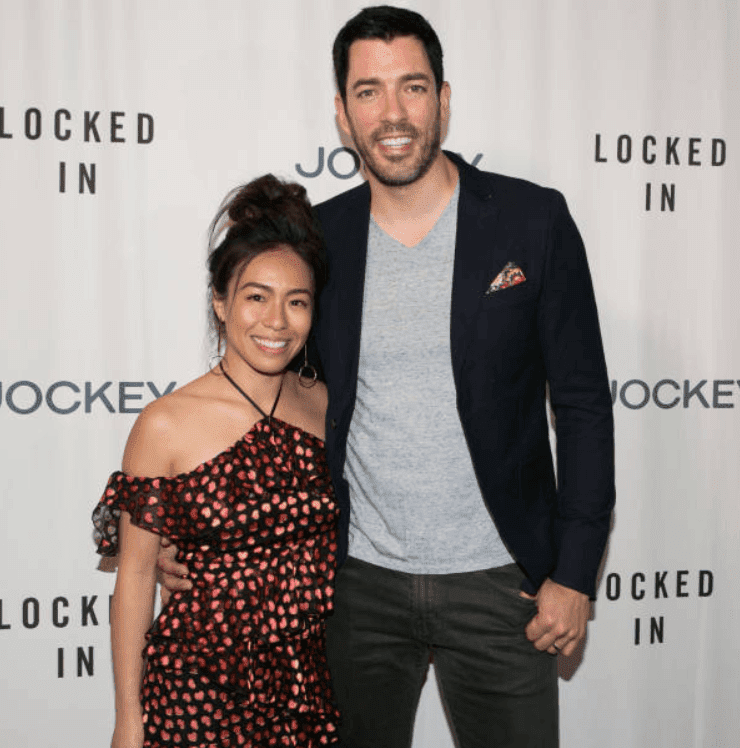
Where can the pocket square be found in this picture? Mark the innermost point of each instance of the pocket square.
(511, 275)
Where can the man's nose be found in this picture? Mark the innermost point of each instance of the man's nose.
(393, 109)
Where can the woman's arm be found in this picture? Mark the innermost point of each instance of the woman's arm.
(132, 608)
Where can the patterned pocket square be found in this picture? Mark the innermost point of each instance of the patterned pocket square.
(511, 275)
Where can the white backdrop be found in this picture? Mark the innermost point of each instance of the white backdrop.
(164, 105)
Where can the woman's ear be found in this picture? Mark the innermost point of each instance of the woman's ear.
(219, 307)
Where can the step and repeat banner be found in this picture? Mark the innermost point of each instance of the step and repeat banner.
(123, 124)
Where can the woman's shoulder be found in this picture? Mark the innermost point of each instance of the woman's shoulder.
(315, 391)
(306, 406)
(167, 415)
(156, 438)
(312, 397)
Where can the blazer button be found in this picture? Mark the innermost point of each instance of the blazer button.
(333, 423)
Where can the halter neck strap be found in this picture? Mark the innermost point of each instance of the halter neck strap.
(249, 399)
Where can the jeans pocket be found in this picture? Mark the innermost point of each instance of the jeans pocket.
(506, 581)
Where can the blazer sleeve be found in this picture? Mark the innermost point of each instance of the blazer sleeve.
(580, 397)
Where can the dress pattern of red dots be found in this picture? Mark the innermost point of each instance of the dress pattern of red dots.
(240, 659)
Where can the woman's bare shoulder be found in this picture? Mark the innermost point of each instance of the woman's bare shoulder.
(156, 439)
(314, 397)
(317, 394)
(306, 406)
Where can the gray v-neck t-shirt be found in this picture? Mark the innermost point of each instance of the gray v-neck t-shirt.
(416, 504)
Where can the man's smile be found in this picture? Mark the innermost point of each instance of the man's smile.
(397, 142)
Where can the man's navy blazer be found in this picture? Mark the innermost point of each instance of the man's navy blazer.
(506, 347)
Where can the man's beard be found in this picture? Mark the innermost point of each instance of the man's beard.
(418, 169)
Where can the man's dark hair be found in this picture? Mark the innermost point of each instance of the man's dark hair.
(385, 22)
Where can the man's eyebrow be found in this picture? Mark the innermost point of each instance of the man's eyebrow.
(360, 82)
(415, 77)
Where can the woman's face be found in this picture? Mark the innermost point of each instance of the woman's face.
(268, 310)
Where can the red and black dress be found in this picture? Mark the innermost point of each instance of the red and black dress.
(240, 659)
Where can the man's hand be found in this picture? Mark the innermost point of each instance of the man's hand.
(562, 615)
(171, 575)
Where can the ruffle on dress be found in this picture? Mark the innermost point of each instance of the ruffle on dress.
(257, 528)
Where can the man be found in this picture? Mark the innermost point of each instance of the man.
(461, 547)
(437, 418)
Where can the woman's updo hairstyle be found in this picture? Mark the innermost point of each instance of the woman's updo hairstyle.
(257, 217)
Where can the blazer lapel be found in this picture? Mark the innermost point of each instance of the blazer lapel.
(346, 234)
(477, 216)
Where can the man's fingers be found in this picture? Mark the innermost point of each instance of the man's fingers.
(167, 552)
(547, 636)
(568, 648)
(171, 575)
(171, 567)
(560, 623)
(173, 583)
(535, 630)
(554, 644)
(545, 643)
(166, 561)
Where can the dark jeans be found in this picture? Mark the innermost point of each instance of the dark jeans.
(499, 691)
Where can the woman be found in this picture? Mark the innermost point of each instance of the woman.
(231, 468)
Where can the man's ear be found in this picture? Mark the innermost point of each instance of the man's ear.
(444, 101)
(342, 115)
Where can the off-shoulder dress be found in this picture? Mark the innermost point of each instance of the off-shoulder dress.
(240, 659)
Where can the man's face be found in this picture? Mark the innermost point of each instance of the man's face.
(392, 111)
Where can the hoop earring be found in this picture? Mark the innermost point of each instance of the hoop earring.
(304, 379)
